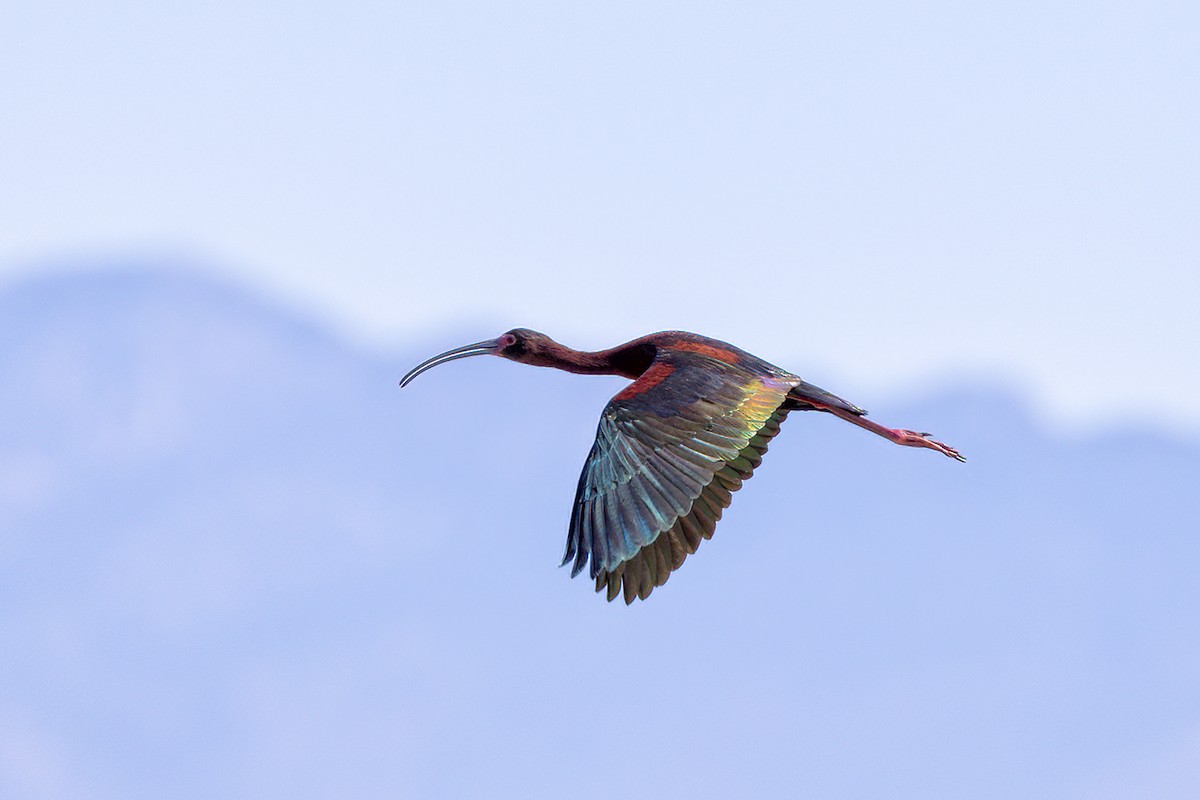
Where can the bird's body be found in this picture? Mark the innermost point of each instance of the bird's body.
(671, 447)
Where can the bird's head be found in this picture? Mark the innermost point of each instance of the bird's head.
(519, 344)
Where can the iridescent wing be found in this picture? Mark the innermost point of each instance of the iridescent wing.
(669, 451)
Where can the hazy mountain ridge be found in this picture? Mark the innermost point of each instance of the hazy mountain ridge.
(237, 560)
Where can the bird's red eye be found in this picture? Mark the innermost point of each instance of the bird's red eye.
(508, 340)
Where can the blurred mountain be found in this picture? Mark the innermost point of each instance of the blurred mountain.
(237, 561)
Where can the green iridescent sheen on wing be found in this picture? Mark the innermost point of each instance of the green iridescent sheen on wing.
(652, 565)
(667, 456)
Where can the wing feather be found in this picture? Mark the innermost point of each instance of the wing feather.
(664, 465)
(682, 539)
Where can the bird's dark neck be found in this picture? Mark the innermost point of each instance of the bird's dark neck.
(628, 360)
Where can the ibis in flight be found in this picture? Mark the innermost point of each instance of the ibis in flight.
(671, 447)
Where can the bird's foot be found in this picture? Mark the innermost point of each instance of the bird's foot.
(914, 439)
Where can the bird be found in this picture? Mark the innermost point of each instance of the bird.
(671, 447)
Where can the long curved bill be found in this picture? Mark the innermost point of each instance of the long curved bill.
(466, 351)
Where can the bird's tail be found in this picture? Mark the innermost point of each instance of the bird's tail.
(805, 395)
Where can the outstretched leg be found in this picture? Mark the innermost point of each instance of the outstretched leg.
(898, 435)
(807, 396)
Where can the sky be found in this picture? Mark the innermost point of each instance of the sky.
(236, 559)
(893, 195)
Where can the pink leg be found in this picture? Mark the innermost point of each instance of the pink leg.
(897, 435)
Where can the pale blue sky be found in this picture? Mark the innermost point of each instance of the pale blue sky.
(892, 194)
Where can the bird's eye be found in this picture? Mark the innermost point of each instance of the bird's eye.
(508, 340)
